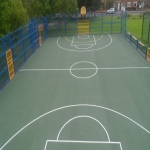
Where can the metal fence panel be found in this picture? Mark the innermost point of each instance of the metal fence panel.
(22, 43)
(146, 27)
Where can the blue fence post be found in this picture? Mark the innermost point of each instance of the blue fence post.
(10, 41)
(137, 44)
(3, 43)
(31, 35)
(130, 37)
(37, 33)
(125, 20)
(77, 24)
(102, 22)
(42, 35)
(4, 49)
(47, 26)
(65, 23)
(146, 50)
(22, 35)
(111, 23)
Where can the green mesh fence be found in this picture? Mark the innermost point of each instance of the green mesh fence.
(100, 23)
(146, 27)
(137, 44)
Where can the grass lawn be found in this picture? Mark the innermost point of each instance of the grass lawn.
(134, 26)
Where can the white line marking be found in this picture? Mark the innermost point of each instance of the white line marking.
(72, 40)
(84, 42)
(122, 68)
(84, 117)
(71, 141)
(83, 45)
(44, 69)
(46, 145)
(119, 68)
(85, 50)
(94, 40)
(71, 68)
(91, 45)
(83, 37)
(120, 146)
(77, 105)
(85, 142)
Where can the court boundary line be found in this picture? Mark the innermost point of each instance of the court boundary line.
(68, 106)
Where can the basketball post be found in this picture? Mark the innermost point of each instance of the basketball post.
(83, 25)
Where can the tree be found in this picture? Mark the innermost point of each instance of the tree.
(4, 19)
(93, 4)
(63, 6)
(37, 8)
(109, 4)
(68, 6)
(13, 15)
(18, 14)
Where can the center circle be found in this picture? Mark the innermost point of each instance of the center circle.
(83, 68)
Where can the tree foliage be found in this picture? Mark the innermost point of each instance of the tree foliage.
(95, 5)
(92, 4)
(109, 4)
(13, 15)
(65, 6)
(16, 13)
(4, 19)
(38, 8)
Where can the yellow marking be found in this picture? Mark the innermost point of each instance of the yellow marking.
(141, 43)
(148, 54)
(84, 42)
(128, 33)
(148, 51)
(83, 27)
(10, 64)
(134, 38)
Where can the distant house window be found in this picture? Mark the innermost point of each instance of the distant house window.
(128, 4)
(135, 4)
(142, 4)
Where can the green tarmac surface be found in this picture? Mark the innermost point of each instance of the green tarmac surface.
(95, 95)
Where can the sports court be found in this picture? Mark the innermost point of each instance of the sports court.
(78, 92)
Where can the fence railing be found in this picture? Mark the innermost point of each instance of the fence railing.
(146, 27)
(22, 43)
(67, 24)
(137, 44)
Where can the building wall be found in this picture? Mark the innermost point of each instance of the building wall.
(130, 4)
